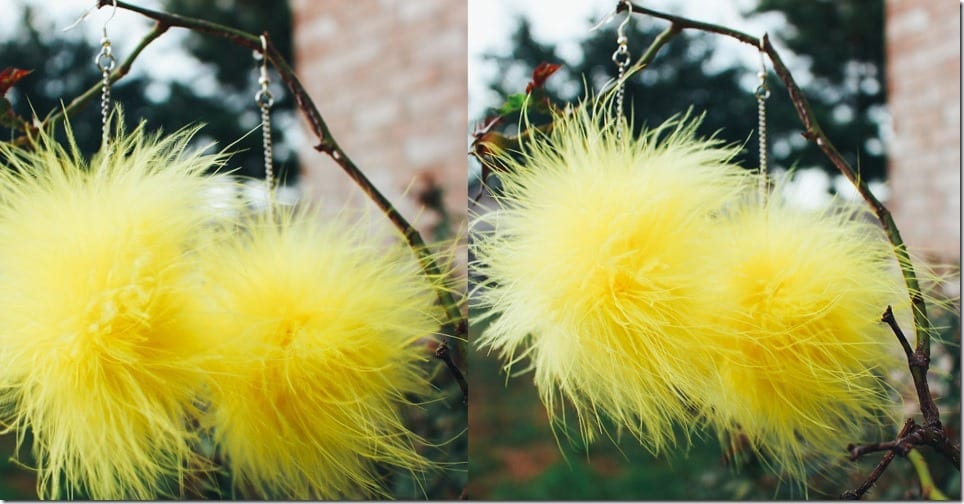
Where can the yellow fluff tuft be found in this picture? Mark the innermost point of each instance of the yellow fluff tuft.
(316, 329)
(800, 296)
(92, 270)
(588, 267)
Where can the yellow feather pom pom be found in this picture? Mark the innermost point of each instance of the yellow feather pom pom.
(588, 270)
(314, 331)
(800, 297)
(92, 270)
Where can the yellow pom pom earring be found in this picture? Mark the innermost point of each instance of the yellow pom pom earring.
(588, 267)
(317, 341)
(93, 270)
(800, 296)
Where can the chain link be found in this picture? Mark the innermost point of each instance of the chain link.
(265, 100)
(621, 58)
(762, 93)
(105, 63)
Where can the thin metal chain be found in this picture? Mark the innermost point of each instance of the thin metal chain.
(265, 100)
(105, 62)
(762, 93)
(621, 58)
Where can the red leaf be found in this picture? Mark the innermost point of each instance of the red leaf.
(540, 74)
(9, 76)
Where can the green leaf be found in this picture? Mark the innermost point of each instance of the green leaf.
(513, 103)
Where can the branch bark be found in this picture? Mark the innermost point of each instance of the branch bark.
(877, 472)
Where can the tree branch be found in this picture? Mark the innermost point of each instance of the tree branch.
(910, 436)
(888, 317)
(918, 363)
(665, 36)
(444, 354)
(456, 321)
(877, 472)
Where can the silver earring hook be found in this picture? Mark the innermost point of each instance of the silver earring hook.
(83, 17)
(113, 12)
(621, 30)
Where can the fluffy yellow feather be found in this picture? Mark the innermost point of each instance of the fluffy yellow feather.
(315, 329)
(588, 268)
(800, 296)
(93, 265)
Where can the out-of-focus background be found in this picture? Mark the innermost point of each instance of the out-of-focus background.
(883, 77)
(389, 77)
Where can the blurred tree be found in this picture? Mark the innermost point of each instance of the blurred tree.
(64, 68)
(846, 90)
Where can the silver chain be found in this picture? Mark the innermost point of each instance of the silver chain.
(105, 62)
(762, 93)
(265, 100)
(621, 58)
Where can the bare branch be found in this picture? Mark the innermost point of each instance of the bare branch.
(878, 471)
(444, 353)
(918, 364)
(892, 322)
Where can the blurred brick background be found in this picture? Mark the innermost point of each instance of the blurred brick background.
(389, 77)
(923, 92)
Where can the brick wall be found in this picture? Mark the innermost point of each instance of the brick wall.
(923, 93)
(389, 77)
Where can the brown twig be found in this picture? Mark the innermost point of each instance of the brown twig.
(912, 434)
(888, 317)
(456, 321)
(918, 363)
(444, 354)
(877, 472)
